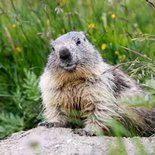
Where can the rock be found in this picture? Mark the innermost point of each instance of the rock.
(60, 141)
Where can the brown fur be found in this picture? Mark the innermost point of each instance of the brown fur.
(93, 97)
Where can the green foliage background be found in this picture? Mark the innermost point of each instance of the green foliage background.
(27, 27)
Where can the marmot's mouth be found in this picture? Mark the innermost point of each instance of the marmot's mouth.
(70, 67)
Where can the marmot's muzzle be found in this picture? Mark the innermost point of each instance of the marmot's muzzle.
(66, 59)
(65, 55)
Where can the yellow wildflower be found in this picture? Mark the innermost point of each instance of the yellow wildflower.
(91, 25)
(63, 2)
(113, 16)
(103, 46)
(13, 25)
(18, 49)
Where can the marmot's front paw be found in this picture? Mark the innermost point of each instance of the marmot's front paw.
(83, 132)
(51, 124)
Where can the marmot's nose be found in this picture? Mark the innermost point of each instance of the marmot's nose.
(65, 54)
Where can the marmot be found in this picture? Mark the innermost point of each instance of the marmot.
(77, 83)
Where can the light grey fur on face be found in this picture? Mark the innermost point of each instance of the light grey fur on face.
(82, 52)
(77, 79)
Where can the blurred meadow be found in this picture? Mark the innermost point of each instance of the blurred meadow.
(122, 30)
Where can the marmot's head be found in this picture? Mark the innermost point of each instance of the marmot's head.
(73, 54)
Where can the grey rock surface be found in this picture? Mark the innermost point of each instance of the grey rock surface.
(61, 141)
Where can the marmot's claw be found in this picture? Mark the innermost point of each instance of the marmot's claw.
(42, 124)
(83, 132)
(50, 124)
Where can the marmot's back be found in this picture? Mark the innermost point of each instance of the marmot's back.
(77, 84)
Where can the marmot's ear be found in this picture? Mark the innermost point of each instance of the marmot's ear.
(84, 33)
(50, 43)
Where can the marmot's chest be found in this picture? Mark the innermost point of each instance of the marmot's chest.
(75, 98)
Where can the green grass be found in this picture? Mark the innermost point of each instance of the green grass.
(27, 27)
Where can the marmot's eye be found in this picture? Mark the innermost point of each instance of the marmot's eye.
(53, 49)
(78, 42)
(84, 39)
